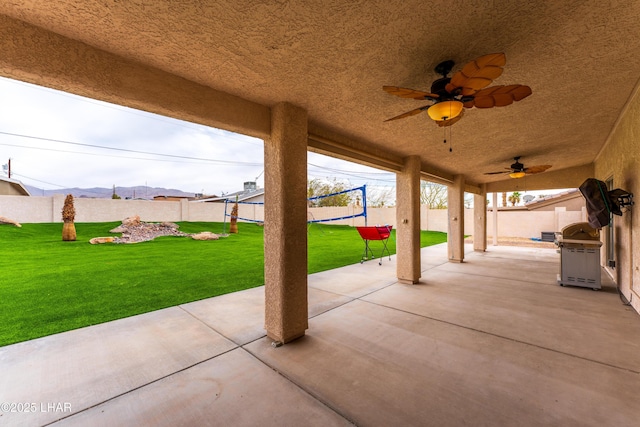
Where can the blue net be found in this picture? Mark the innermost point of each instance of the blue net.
(362, 190)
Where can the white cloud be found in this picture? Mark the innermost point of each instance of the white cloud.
(29, 112)
(57, 117)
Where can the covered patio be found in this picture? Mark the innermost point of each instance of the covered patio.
(442, 336)
(492, 341)
(305, 78)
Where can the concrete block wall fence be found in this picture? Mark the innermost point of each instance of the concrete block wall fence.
(511, 222)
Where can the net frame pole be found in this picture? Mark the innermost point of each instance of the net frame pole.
(364, 203)
(224, 221)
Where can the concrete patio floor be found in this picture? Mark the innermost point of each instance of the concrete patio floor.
(493, 341)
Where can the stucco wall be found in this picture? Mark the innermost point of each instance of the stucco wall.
(620, 160)
(511, 222)
(49, 209)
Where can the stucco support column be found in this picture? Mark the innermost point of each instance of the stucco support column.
(455, 204)
(408, 221)
(480, 220)
(495, 219)
(285, 224)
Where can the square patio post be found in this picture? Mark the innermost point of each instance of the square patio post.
(480, 220)
(285, 224)
(494, 215)
(408, 221)
(455, 204)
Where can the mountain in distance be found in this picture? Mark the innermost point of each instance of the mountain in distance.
(137, 192)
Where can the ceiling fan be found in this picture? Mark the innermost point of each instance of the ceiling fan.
(517, 170)
(467, 88)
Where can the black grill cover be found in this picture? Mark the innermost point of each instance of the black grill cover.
(600, 202)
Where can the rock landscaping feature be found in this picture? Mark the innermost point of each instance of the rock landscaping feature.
(134, 230)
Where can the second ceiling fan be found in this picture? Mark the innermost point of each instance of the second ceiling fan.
(465, 89)
(517, 169)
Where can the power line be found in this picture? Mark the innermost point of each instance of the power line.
(121, 108)
(175, 156)
(103, 155)
(358, 175)
(340, 170)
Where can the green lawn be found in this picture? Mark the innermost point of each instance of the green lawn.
(49, 286)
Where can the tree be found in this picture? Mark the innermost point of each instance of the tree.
(468, 201)
(433, 195)
(233, 225)
(514, 198)
(68, 216)
(317, 187)
(378, 197)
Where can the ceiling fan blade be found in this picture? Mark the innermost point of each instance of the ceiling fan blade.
(495, 173)
(477, 74)
(500, 96)
(409, 113)
(446, 123)
(537, 169)
(469, 103)
(409, 93)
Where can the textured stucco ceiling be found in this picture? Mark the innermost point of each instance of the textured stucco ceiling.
(332, 57)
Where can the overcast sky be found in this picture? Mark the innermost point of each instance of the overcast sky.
(54, 138)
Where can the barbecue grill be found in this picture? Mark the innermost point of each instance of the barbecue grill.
(579, 245)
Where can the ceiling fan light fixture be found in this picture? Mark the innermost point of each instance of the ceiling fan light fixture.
(517, 174)
(445, 110)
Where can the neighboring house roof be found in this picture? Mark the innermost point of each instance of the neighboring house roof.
(162, 197)
(555, 199)
(16, 185)
(243, 196)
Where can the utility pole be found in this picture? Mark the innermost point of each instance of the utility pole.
(7, 168)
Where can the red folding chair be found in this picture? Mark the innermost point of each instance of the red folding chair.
(381, 233)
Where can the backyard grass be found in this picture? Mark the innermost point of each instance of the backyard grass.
(49, 286)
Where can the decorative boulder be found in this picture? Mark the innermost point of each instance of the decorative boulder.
(205, 235)
(4, 220)
(98, 240)
(131, 221)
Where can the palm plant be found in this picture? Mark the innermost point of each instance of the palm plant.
(514, 198)
(68, 216)
(233, 224)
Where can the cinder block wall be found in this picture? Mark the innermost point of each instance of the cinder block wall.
(511, 223)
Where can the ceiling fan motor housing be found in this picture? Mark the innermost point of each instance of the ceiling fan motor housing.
(517, 166)
(438, 87)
